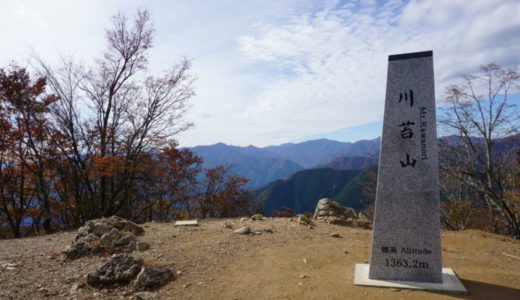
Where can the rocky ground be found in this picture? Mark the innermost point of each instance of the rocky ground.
(279, 259)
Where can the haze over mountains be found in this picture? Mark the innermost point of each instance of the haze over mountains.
(264, 165)
(297, 175)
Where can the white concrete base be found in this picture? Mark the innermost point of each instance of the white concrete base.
(187, 223)
(450, 281)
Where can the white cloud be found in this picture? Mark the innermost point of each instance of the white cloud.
(271, 72)
(334, 62)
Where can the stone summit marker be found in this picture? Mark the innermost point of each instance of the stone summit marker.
(406, 243)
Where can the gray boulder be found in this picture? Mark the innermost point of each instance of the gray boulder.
(152, 277)
(329, 208)
(119, 270)
(257, 217)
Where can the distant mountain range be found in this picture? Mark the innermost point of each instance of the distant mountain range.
(259, 165)
(297, 175)
(319, 152)
(264, 165)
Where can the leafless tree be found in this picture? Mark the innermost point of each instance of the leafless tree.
(110, 113)
(479, 115)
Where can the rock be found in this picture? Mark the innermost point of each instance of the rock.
(304, 220)
(144, 296)
(71, 279)
(363, 217)
(243, 230)
(339, 221)
(142, 246)
(301, 276)
(243, 219)
(130, 247)
(228, 225)
(334, 213)
(123, 225)
(257, 217)
(335, 235)
(77, 250)
(75, 288)
(329, 208)
(99, 229)
(108, 239)
(90, 239)
(101, 226)
(112, 234)
(120, 269)
(84, 230)
(152, 277)
(364, 224)
(125, 240)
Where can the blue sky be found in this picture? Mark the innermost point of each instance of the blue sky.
(271, 72)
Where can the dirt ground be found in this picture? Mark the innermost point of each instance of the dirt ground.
(211, 262)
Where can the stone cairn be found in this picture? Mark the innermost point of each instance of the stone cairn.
(119, 236)
(106, 235)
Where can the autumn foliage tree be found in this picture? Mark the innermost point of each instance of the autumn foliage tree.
(172, 182)
(223, 195)
(25, 151)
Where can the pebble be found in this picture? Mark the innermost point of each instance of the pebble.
(302, 276)
(74, 289)
(335, 235)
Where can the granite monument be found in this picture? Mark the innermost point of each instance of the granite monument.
(406, 244)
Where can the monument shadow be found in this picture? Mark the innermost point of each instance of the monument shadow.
(485, 291)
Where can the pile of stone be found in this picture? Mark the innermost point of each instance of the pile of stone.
(334, 213)
(123, 269)
(106, 235)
